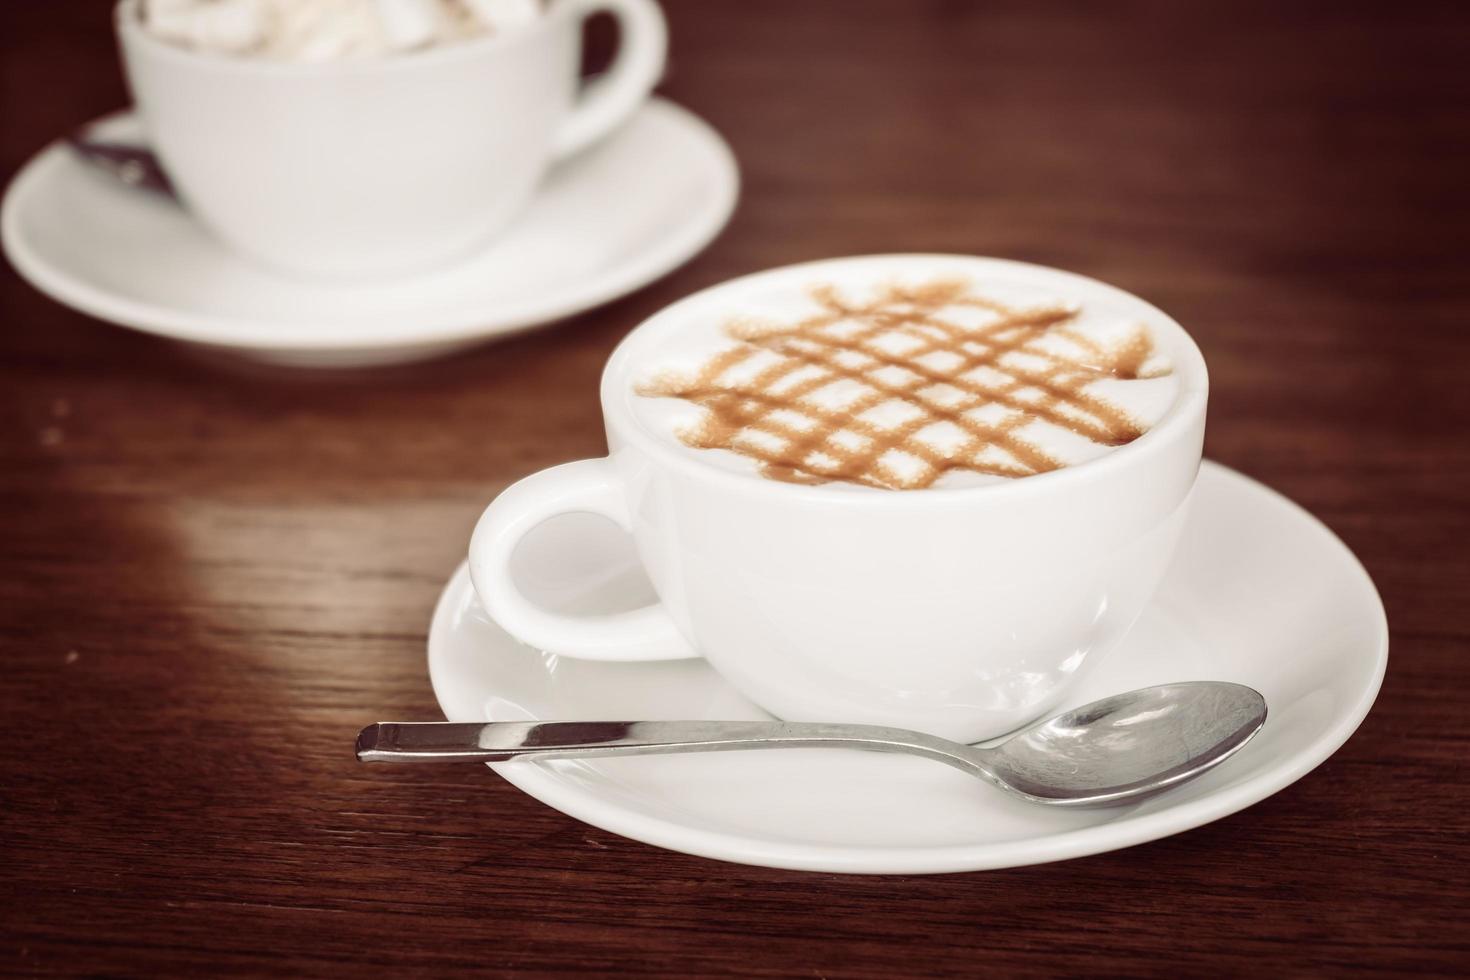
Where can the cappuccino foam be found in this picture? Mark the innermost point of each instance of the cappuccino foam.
(328, 30)
(905, 383)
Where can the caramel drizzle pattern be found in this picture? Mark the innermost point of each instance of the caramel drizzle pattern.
(810, 455)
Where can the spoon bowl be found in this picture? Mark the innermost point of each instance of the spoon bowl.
(1120, 749)
(1129, 745)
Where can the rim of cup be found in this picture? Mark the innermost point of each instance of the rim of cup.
(129, 25)
(1188, 407)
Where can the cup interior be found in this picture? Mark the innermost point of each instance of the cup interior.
(768, 294)
(128, 21)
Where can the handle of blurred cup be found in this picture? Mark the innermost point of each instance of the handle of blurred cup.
(589, 486)
(608, 102)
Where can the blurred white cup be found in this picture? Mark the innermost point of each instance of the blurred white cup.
(384, 165)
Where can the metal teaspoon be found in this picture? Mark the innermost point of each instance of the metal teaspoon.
(135, 166)
(1116, 750)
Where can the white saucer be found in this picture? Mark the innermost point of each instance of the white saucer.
(1261, 593)
(602, 225)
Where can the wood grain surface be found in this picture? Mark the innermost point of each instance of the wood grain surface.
(212, 575)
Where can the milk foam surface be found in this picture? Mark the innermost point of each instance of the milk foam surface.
(898, 363)
(328, 30)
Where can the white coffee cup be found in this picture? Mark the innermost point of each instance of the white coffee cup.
(963, 612)
(382, 165)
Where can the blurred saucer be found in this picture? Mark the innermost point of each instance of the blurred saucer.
(602, 225)
(1260, 593)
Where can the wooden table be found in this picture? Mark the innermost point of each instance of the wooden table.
(211, 576)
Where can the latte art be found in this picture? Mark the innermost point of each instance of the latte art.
(936, 383)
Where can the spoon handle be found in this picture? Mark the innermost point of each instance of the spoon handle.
(502, 740)
(135, 166)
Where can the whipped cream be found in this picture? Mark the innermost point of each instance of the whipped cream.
(329, 30)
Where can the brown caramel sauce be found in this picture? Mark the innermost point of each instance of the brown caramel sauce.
(757, 416)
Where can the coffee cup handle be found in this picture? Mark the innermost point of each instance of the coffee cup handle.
(608, 102)
(588, 486)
